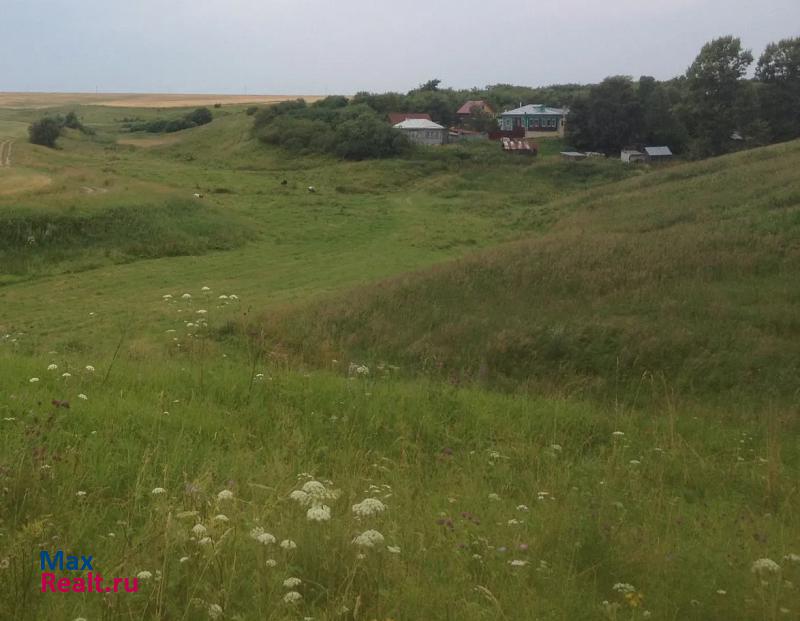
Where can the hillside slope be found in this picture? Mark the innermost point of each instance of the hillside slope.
(682, 279)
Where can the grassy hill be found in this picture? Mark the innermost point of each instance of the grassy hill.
(141, 426)
(683, 281)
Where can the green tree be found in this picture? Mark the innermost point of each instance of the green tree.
(778, 72)
(661, 123)
(715, 92)
(45, 131)
(609, 118)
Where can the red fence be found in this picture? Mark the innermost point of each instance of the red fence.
(517, 132)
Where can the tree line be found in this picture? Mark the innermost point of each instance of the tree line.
(712, 109)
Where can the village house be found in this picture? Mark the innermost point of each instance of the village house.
(538, 121)
(424, 132)
(472, 107)
(399, 117)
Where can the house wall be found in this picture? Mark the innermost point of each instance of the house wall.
(536, 126)
(428, 137)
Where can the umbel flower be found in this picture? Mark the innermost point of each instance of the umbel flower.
(369, 539)
(764, 566)
(368, 507)
(319, 513)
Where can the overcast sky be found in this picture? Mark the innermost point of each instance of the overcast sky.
(343, 46)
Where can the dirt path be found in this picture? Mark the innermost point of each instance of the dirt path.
(5, 152)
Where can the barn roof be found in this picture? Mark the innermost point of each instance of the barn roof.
(418, 124)
(657, 151)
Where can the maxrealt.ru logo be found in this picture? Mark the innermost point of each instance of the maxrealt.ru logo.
(91, 582)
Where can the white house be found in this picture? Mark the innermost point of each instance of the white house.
(423, 131)
(536, 119)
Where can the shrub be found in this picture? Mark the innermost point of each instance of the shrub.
(45, 131)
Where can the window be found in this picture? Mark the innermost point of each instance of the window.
(535, 123)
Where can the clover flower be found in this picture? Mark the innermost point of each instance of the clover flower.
(319, 513)
(368, 507)
(369, 539)
(292, 597)
(291, 583)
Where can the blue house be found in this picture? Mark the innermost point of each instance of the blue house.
(537, 120)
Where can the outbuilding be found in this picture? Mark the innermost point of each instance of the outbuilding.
(658, 154)
(424, 132)
(631, 156)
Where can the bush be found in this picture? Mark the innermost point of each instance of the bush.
(45, 131)
(200, 116)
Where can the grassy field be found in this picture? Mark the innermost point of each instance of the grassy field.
(201, 393)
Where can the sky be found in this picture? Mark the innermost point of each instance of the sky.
(321, 47)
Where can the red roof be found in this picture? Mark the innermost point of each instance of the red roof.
(399, 117)
(466, 109)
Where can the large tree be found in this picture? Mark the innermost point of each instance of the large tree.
(715, 92)
(608, 119)
(778, 71)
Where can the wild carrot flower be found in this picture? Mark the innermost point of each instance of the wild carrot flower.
(292, 597)
(158, 491)
(90, 368)
(792, 557)
(80, 494)
(225, 494)
(52, 367)
(517, 563)
(205, 541)
(393, 549)
(199, 529)
(271, 562)
(288, 544)
(764, 566)
(144, 575)
(291, 583)
(618, 434)
(369, 539)
(66, 375)
(214, 611)
(220, 518)
(260, 535)
(368, 507)
(319, 513)
(206, 289)
(33, 380)
(187, 296)
(82, 396)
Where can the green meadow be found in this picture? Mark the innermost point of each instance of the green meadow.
(459, 385)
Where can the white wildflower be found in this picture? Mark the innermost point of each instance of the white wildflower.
(199, 529)
(494, 496)
(393, 549)
(220, 518)
(369, 539)
(291, 583)
(522, 508)
(205, 541)
(765, 566)
(618, 434)
(52, 367)
(260, 535)
(792, 557)
(33, 380)
(517, 563)
(206, 289)
(624, 587)
(368, 506)
(158, 491)
(271, 562)
(319, 513)
(288, 544)
(233, 296)
(167, 296)
(80, 494)
(635, 462)
(187, 296)
(301, 497)
(225, 494)
(214, 611)
(89, 368)
(183, 559)
(144, 575)
(202, 312)
(82, 396)
(292, 597)
(65, 375)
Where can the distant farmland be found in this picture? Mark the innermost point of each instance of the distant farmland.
(137, 100)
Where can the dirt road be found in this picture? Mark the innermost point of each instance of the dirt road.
(5, 152)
